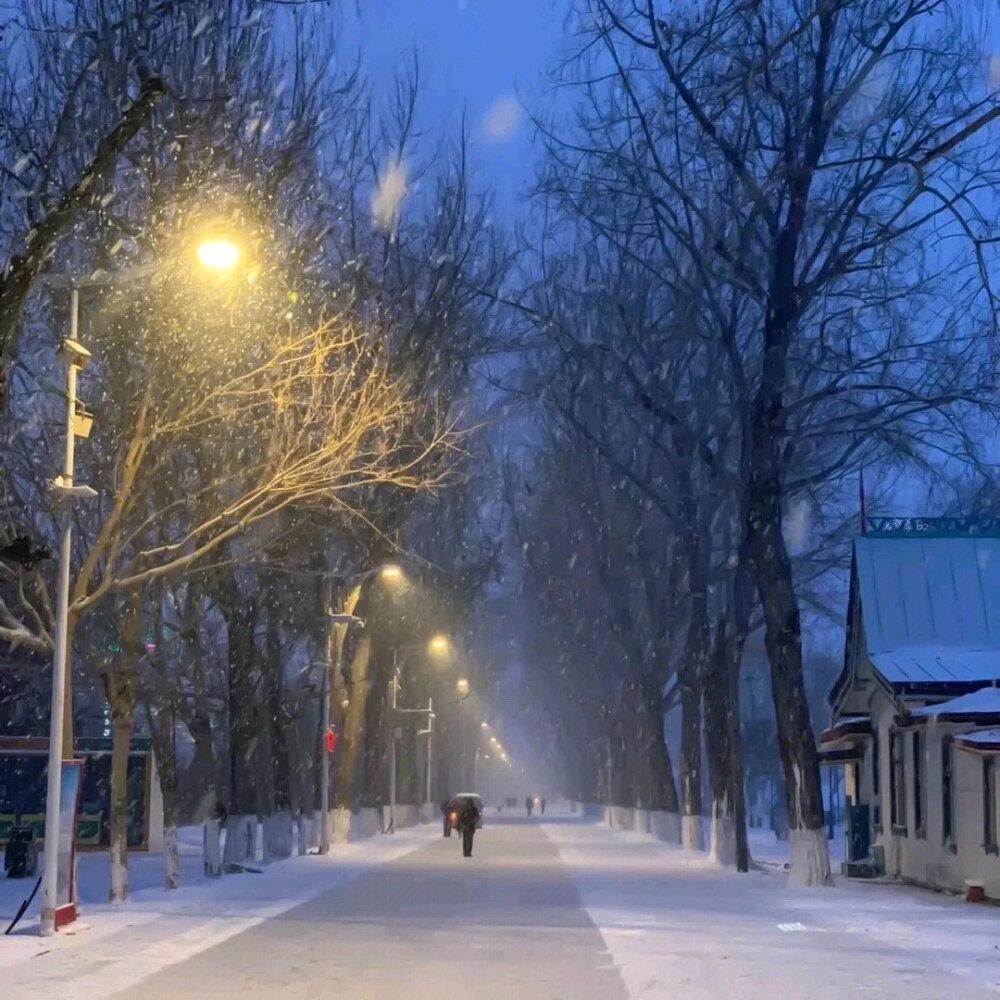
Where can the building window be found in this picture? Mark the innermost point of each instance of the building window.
(918, 784)
(947, 791)
(989, 805)
(897, 783)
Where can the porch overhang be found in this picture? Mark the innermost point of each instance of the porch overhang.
(849, 733)
(981, 741)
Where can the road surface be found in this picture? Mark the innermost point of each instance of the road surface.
(506, 924)
(558, 909)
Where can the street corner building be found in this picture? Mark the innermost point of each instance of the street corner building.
(916, 708)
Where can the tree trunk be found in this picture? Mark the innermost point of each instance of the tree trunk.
(280, 762)
(347, 761)
(663, 786)
(161, 727)
(119, 687)
(376, 737)
(772, 574)
(721, 733)
(121, 735)
(244, 722)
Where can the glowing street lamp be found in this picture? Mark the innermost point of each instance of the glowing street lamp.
(462, 687)
(484, 725)
(218, 254)
(392, 574)
(439, 645)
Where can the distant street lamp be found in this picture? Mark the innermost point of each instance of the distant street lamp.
(439, 645)
(462, 687)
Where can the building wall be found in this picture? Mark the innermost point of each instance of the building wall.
(922, 855)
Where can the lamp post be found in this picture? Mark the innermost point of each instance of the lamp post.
(78, 424)
(76, 357)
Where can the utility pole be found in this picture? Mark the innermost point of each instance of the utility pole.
(76, 357)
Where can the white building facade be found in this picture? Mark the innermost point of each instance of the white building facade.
(916, 709)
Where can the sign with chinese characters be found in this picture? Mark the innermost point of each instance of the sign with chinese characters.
(934, 527)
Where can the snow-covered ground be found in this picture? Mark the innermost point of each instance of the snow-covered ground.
(113, 947)
(678, 926)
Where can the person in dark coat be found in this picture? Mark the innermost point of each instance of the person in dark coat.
(468, 820)
(543, 805)
(528, 803)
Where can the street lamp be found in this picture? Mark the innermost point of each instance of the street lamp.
(392, 574)
(462, 687)
(439, 645)
(218, 254)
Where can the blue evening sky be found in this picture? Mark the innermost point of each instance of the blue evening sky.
(477, 57)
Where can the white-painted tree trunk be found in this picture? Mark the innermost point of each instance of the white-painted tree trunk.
(666, 827)
(723, 839)
(692, 836)
(119, 870)
(810, 858)
(278, 836)
(341, 825)
(171, 858)
(212, 847)
(305, 834)
(241, 836)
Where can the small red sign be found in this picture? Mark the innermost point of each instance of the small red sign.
(331, 741)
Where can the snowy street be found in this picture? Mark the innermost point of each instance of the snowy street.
(557, 908)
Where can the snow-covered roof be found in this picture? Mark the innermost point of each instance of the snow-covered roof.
(985, 701)
(931, 607)
(981, 739)
(927, 665)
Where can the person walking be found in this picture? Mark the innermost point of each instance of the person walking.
(543, 805)
(528, 803)
(467, 822)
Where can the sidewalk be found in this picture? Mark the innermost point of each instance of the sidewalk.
(677, 925)
(111, 948)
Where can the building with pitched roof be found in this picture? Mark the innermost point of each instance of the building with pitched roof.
(916, 708)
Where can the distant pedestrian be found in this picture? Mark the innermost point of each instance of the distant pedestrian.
(528, 803)
(543, 805)
(468, 820)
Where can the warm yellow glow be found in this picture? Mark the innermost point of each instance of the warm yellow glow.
(493, 740)
(391, 573)
(439, 645)
(218, 254)
(462, 686)
(484, 725)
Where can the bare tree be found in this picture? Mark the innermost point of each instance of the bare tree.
(781, 164)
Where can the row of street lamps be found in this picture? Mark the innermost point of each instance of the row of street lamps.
(438, 647)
